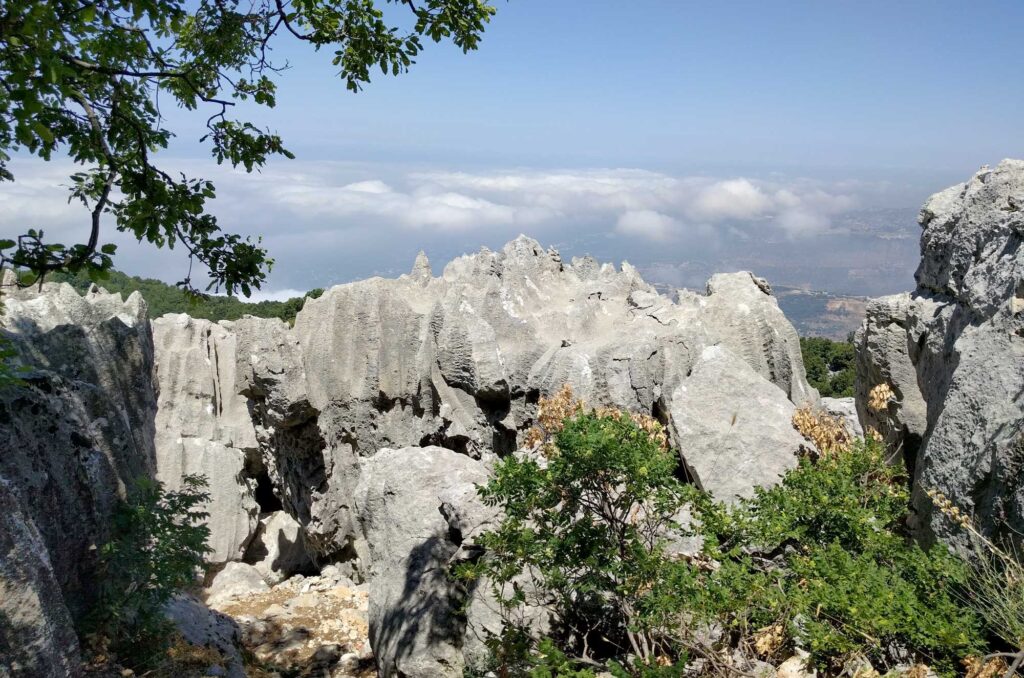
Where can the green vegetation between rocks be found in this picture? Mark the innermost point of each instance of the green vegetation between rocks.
(163, 298)
(829, 365)
(157, 547)
(593, 538)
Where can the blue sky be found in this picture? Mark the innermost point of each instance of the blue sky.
(795, 86)
(690, 128)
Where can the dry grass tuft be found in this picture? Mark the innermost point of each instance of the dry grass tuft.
(552, 413)
(976, 667)
(828, 433)
(879, 398)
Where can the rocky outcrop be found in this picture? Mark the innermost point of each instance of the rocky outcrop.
(954, 350)
(278, 549)
(457, 361)
(733, 429)
(203, 426)
(418, 510)
(77, 432)
(377, 379)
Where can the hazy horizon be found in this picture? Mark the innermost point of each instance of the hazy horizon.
(798, 141)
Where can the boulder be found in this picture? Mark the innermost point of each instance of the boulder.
(733, 429)
(203, 627)
(234, 580)
(278, 549)
(956, 346)
(79, 430)
(418, 510)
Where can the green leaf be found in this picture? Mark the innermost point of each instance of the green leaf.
(43, 131)
(109, 248)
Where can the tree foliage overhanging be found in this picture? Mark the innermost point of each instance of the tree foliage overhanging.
(87, 79)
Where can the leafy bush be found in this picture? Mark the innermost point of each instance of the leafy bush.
(818, 563)
(829, 365)
(823, 555)
(157, 546)
(587, 517)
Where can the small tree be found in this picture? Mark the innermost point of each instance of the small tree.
(87, 79)
(585, 521)
(158, 544)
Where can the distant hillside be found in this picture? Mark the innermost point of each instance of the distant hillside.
(163, 298)
(821, 314)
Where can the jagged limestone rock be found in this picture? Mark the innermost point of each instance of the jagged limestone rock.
(37, 638)
(733, 429)
(203, 426)
(883, 357)
(962, 333)
(79, 430)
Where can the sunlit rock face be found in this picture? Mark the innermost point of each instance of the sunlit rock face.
(288, 423)
(953, 353)
(75, 434)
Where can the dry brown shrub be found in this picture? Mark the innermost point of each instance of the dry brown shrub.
(644, 422)
(828, 433)
(552, 413)
(769, 640)
(977, 668)
(879, 398)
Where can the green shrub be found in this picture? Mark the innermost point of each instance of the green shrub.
(823, 554)
(819, 562)
(829, 365)
(157, 546)
(587, 520)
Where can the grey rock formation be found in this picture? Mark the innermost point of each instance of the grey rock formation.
(459, 361)
(846, 410)
(957, 343)
(418, 510)
(278, 549)
(235, 579)
(733, 429)
(203, 426)
(37, 639)
(80, 429)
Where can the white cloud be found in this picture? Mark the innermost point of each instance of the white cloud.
(733, 199)
(324, 221)
(646, 224)
(275, 295)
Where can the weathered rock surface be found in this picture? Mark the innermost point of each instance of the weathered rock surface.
(417, 507)
(278, 549)
(203, 426)
(846, 410)
(733, 429)
(956, 344)
(37, 638)
(75, 435)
